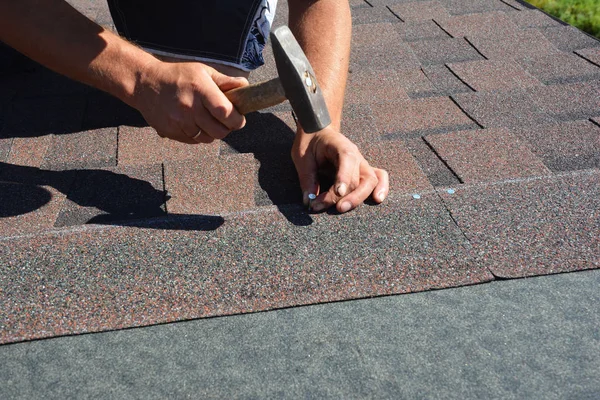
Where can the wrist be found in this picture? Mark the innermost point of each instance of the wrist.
(127, 70)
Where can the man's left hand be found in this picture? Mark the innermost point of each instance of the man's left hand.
(355, 179)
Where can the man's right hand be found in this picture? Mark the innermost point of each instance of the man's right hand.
(184, 101)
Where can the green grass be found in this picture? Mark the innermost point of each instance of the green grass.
(584, 14)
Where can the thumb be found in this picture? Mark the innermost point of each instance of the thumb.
(307, 175)
(226, 82)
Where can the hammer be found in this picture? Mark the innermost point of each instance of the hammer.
(296, 82)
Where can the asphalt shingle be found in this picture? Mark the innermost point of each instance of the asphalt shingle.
(421, 30)
(28, 209)
(566, 146)
(493, 75)
(71, 155)
(97, 279)
(569, 38)
(494, 24)
(445, 81)
(532, 227)
(379, 46)
(113, 195)
(561, 68)
(144, 146)
(516, 45)
(442, 51)
(420, 116)
(88, 149)
(486, 155)
(197, 188)
(29, 151)
(592, 55)
(420, 11)
(512, 108)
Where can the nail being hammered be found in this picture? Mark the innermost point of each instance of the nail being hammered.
(311, 198)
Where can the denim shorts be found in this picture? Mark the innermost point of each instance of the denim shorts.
(230, 32)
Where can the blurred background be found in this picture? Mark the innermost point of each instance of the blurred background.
(584, 14)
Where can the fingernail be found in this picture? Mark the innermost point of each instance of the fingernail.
(381, 195)
(345, 206)
(341, 189)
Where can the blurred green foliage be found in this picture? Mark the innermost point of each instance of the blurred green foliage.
(584, 14)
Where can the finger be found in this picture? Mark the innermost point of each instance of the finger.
(221, 108)
(382, 189)
(209, 125)
(307, 175)
(202, 137)
(179, 137)
(348, 175)
(226, 82)
(358, 195)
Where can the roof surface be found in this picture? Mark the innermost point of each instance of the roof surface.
(486, 114)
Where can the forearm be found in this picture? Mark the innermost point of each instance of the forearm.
(56, 35)
(323, 28)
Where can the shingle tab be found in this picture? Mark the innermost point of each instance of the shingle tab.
(422, 30)
(532, 227)
(379, 46)
(494, 24)
(144, 146)
(560, 68)
(113, 195)
(89, 149)
(5, 146)
(405, 174)
(565, 146)
(512, 108)
(29, 151)
(486, 155)
(421, 116)
(442, 51)
(445, 81)
(459, 7)
(227, 186)
(569, 102)
(532, 19)
(420, 11)
(592, 55)
(370, 15)
(28, 208)
(358, 124)
(433, 167)
(375, 86)
(569, 38)
(493, 75)
(519, 44)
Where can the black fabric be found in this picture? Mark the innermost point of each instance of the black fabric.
(215, 29)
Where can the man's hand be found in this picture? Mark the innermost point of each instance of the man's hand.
(184, 101)
(355, 179)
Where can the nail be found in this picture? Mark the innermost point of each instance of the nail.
(311, 198)
(381, 195)
(345, 206)
(341, 189)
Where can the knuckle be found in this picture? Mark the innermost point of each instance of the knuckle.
(221, 111)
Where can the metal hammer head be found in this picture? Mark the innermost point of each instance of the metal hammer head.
(299, 82)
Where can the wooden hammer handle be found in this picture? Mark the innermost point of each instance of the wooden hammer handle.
(257, 97)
